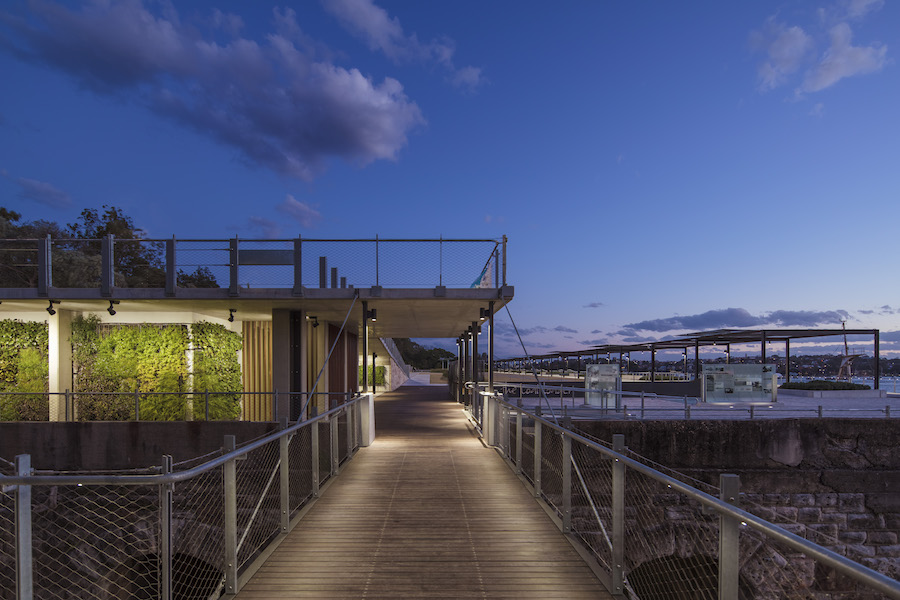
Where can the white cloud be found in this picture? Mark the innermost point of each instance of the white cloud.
(43, 193)
(842, 59)
(818, 110)
(383, 33)
(301, 212)
(267, 228)
(786, 47)
(857, 9)
(273, 100)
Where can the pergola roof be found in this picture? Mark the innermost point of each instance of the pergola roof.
(711, 338)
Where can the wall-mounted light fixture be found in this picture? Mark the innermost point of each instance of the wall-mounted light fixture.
(485, 313)
(372, 315)
(50, 308)
(231, 312)
(111, 310)
(314, 319)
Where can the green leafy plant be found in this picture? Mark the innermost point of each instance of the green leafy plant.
(23, 368)
(379, 375)
(216, 369)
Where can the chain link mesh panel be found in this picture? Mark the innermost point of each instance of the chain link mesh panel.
(18, 263)
(551, 469)
(198, 529)
(75, 263)
(95, 541)
(343, 432)
(592, 502)
(139, 263)
(258, 500)
(324, 426)
(301, 477)
(208, 257)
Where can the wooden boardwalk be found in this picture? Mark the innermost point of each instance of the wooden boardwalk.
(426, 512)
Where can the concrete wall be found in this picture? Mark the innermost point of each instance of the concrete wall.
(109, 445)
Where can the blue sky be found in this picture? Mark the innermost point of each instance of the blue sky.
(659, 167)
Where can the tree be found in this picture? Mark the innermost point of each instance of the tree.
(419, 357)
(76, 252)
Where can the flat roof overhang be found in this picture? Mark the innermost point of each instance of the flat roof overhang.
(403, 313)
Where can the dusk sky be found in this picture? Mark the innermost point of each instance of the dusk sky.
(659, 167)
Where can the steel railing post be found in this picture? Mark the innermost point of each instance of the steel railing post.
(229, 472)
(45, 268)
(165, 533)
(24, 567)
(349, 412)
(298, 267)
(538, 451)
(137, 405)
(314, 450)
(618, 516)
(171, 279)
(519, 441)
(335, 457)
(107, 262)
(233, 261)
(566, 483)
(285, 474)
(729, 537)
(504, 260)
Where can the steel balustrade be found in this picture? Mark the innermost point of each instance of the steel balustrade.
(257, 491)
(613, 562)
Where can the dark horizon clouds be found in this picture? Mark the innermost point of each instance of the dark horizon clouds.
(738, 318)
(277, 102)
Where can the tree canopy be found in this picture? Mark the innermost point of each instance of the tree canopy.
(420, 357)
(76, 252)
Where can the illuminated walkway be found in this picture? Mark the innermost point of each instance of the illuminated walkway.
(425, 512)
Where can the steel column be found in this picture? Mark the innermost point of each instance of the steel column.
(314, 450)
(45, 268)
(229, 472)
(24, 566)
(171, 269)
(618, 517)
(165, 533)
(298, 267)
(233, 261)
(566, 483)
(107, 268)
(538, 452)
(284, 443)
(729, 536)
(335, 458)
(519, 441)
(877, 372)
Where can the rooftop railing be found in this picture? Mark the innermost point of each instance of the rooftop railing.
(237, 264)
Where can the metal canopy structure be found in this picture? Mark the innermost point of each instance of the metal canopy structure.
(718, 337)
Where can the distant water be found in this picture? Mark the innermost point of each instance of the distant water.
(890, 384)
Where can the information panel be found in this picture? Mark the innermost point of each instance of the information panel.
(739, 383)
(605, 378)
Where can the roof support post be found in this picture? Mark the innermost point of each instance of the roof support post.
(652, 364)
(697, 359)
(877, 370)
(763, 344)
(787, 360)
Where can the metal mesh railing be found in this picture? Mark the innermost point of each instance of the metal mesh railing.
(655, 535)
(164, 532)
(242, 264)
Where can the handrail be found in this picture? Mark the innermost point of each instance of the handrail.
(840, 563)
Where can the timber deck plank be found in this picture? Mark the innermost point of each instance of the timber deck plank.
(426, 512)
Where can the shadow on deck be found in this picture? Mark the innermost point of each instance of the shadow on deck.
(426, 512)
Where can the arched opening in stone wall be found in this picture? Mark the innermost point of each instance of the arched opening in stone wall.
(138, 578)
(681, 578)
